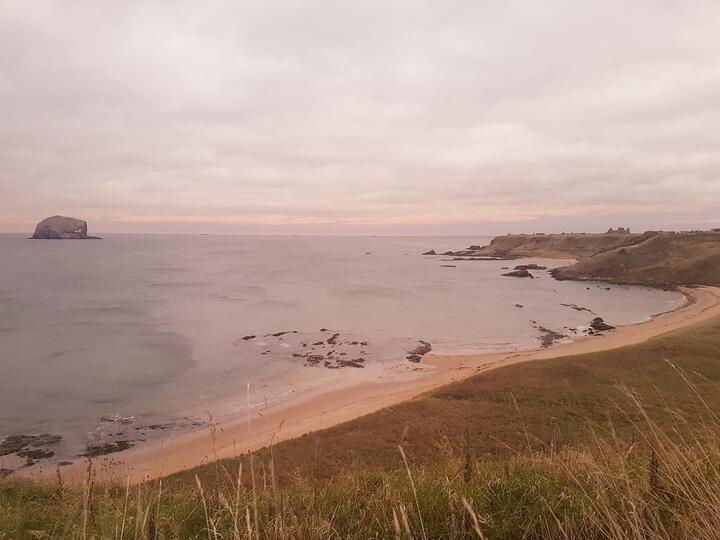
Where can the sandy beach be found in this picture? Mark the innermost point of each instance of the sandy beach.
(331, 406)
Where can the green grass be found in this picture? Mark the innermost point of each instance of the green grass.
(602, 491)
(620, 444)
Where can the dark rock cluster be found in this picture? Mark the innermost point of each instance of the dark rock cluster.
(30, 447)
(519, 274)
(599, 325)
(102, 449)
(16, 443)
(472, 253)
(116, 433)
(416, 354)
(331, 352)
(548, 337)
(577, 308)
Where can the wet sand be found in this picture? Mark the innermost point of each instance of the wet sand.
(327, 407)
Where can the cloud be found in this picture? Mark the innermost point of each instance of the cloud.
(296, 112)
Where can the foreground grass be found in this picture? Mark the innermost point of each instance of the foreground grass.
(622, 444)
(654, 489)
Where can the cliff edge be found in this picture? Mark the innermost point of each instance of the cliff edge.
(662, 259)
(557, 246)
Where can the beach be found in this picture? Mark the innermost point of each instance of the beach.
(326, 407)
(138, 339)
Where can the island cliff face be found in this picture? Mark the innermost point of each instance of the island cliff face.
(62, 228)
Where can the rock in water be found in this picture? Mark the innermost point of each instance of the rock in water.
(62, 228)
(599, 325)
(418, 352)
(548, 337)
(519, 273)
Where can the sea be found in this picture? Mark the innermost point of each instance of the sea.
(133, 337)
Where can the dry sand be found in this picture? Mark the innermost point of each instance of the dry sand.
(331, 406)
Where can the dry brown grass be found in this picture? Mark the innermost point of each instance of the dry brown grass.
(662, 485)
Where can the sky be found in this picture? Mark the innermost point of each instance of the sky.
(360, 117)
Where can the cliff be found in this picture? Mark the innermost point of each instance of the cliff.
(663, 259)
(62, 228)
(557, 246)
(651, 258)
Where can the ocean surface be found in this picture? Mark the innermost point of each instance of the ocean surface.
(135, 336)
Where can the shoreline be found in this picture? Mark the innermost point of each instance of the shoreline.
(324, 408)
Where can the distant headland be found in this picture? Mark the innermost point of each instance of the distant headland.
(62, 228)
(655, 258)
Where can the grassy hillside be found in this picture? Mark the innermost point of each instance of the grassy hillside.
(609, 491)
(646, 259)
(563, 246)
(673, 259)
(607, 445)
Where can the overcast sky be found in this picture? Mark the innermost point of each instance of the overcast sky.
(391, 116)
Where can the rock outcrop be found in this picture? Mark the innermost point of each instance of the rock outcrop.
(475, 253)
(519, 273)
(416, 355)
(599, 325)
(62, 228)
(548, 337)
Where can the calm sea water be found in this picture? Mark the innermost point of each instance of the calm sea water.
(151, 326)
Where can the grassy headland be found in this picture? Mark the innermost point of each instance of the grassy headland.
(556, 246)
(663, 259)
(657, 259)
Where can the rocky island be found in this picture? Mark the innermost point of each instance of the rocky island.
(62, 228)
